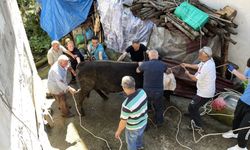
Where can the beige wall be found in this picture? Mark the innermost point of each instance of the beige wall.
(240, 52)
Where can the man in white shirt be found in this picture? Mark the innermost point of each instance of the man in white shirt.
(205, 81)
(58, 86)
(55, 51)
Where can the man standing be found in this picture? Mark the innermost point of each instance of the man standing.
(205, 81)
(153, 83)
(133, 114)
(241, 113)
(57, 84)
(136, 51)
(96, 49)
(55, 51)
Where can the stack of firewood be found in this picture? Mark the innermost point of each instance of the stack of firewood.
(161, 13)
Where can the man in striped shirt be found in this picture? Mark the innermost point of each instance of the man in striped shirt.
(133, 114)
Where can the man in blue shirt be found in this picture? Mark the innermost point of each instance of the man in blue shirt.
(242, 112)
(96, 49)
(153, 83)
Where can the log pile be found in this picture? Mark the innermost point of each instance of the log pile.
(161, 13)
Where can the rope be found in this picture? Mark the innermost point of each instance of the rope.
(80, 118)
(120, 143)
(207, 109)
(212, 134)
(178, 126)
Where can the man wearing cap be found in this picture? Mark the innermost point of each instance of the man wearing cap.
(57, 84)
(133, 114)
(136, 51)
(55, 51)
(205, 82)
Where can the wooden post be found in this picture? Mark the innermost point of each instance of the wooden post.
(224, 54)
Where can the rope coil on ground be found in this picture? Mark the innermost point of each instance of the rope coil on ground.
(80, 118)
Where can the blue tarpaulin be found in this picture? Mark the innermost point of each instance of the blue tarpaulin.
(59, 17)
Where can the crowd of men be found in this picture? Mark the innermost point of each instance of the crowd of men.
(140, 102)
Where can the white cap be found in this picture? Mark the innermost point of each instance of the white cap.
(63, 57)
(55, 42)
(207, 50)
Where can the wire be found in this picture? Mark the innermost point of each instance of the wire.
(80, 118)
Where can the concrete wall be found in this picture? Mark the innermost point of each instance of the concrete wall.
(240, 52)
(19, 124)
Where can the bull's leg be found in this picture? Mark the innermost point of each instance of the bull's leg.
(104, 96)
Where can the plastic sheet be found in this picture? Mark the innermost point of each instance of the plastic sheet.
(59, 17)
(176, 46)
(121, 26)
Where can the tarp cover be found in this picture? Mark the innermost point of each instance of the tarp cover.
(121, 26)
(59, 17)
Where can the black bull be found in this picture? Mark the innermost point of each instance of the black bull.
(104, 76)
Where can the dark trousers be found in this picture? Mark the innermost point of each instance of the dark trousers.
(155, 100)
(61, 102)
(194, 107)
(242, 119)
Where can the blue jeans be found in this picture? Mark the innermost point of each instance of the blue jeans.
(134, 138)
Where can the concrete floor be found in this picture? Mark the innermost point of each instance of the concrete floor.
(102, 119)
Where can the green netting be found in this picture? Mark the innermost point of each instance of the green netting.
(191, 15)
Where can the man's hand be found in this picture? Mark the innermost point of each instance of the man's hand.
(71, 90)
(117, 134)
(230, 68)
(169, 70)
(187, 72)
(183, 65)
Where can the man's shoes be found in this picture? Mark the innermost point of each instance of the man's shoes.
(73, 81)
(49, 95)
(69, 115)
(159, 125)
(229, 135)
(141, 148)
(186, 114)
(236, 147)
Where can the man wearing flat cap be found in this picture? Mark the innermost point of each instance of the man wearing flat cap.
(205, 81)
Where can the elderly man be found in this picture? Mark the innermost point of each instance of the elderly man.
(133, 114)
(205, 81)
(55, 51)
(96, 49)
(57, 84)
(153, 83)
(136, 51)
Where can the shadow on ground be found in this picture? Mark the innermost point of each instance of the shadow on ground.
(102, 118)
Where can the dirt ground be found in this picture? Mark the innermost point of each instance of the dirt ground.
(102, 119)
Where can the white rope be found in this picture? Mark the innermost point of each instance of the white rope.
(178, 126)
(213, 134)
(152, 122)
(80, 118)
(120, 143)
